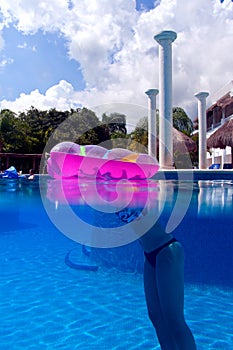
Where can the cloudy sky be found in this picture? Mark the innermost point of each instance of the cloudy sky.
(101, 54)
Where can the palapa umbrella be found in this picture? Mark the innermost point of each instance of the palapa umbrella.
(183, 143)
(222, 137)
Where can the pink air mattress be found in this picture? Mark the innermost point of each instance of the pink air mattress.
(68, 160)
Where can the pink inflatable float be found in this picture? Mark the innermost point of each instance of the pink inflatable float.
(67, 160)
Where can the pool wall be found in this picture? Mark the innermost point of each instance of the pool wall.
(195, 174)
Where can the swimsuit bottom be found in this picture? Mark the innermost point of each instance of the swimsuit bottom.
(151, 257)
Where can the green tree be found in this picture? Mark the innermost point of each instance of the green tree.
(5, 114)
(115, 123)
(13, 133)
(181, 121)
(139, 136)
(81, 126)
(41, 124)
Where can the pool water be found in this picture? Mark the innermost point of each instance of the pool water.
(46, 304)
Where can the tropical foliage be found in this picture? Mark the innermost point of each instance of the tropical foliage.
(181, 121)
(28, 132)
(35, 131)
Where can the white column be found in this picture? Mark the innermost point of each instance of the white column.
(165, 40)
(201, 96)
(213, 156)
(223, 115)
(223, 157)
(152, 132)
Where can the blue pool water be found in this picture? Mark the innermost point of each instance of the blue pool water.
(46, 304)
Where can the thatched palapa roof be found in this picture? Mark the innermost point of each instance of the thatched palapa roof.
(183, 143)
(222, 102)
(222, 137)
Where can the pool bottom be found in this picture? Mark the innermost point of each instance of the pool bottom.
(47, 305)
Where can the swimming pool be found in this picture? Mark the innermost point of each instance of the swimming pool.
(46, 304)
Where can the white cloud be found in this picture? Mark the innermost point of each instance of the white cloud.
(22, 46)
(30, 15)
(118, 56)
(5, 62)
(62, 96)
(25, 46)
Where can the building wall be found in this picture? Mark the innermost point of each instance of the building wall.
(216, 115)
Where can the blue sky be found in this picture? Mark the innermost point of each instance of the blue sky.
(145, 5)
(101, 53)
(38, 62)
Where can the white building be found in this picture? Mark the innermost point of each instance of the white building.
(216, 115)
